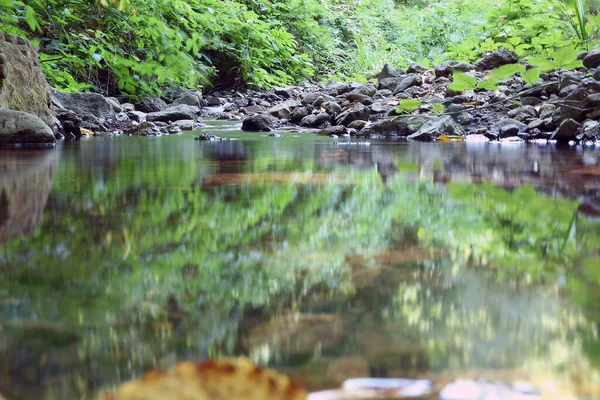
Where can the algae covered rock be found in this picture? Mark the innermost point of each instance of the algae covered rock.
(23, 86)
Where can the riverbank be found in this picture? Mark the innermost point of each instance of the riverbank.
(415, 103)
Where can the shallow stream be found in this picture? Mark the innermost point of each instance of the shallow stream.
(324, 261)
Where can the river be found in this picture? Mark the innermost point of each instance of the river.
(322, 260)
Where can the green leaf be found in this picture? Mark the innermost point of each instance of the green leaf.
(408, 105)
(437, 108)
(30, 18)
(462, 81)
(531, 75)
(565, 56)
(544, 64)
(7, 3)
(506, 71)
(488, 84)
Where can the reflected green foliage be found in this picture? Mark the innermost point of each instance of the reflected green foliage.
(233, 226)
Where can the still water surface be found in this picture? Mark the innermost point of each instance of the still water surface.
(323, 261)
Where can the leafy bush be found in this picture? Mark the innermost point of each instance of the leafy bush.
(141, 47)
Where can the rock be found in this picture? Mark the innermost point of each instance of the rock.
(23, 86)
(296, 334)
(343, 368)
(358, 124)
(400, 126)
(592, 60)
(567, 131)
(284, 93)
(212, 101)
(590, 130)
(591, 102)
(365, 90)
(151, 104)
(310, 98)
(391, 83)
(333, 108)
(114, 103)
(187, 124)
(284, 109)
(567, 90)
(260, 122)
(174, 113)
(496, 59)
(137, 116)
(546, 110)
(380, 107)
(18, 127)
(446, 68)
(299, 113)
(408, 81)
(476, 138)
(84, 104)
(388, 72)
(596, 74)
(494, 131)
(415, 68)
(173, 129)
(338, 130)
(253, 109)
(508, 130)
(315, 120)
(208, 137)
(70, 122)
(189, 99)
(356, 111)
(527, 110)
(127, 107)
(364, 99)
(174, 93)
(337, 88)
(436, 127)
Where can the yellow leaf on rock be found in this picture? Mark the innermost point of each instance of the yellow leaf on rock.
(86, 132)
(450, 138)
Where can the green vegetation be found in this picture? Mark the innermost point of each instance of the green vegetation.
(141, 47)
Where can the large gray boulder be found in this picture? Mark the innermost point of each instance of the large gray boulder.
(23, 86)
(437, 127)
(190, 99)
(408, 81)
(399, 126)
(151, 104)
(319, 120)
(174, 113)
(18, 127)
(85, 104)
(284, 109)
(356, 111)
(260, 122)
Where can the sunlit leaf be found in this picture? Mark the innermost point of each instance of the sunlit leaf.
(462, 81)
(531, 75)
(506, 71)
(488, 84)
(408, 105)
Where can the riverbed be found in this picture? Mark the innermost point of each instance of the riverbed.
(323, 258)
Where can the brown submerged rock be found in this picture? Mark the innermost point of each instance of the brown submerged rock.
(297, 333)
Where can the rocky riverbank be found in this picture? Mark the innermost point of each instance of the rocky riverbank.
(563, 105)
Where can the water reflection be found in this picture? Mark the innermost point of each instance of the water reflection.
(25, 182)
(395, 259)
